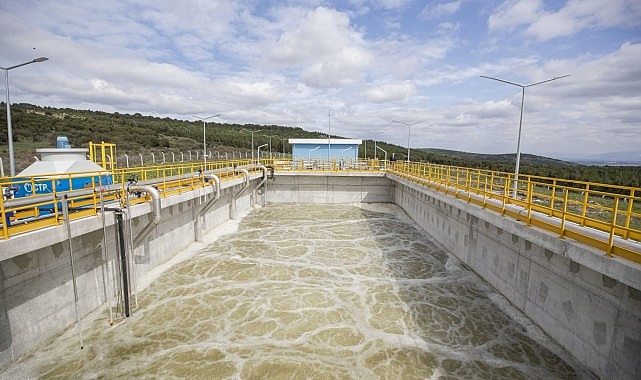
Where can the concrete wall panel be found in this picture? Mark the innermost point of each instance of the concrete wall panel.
(590, 304)
(579, 297)
(36, 291)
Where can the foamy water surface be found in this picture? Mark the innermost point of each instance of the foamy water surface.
(316, 292)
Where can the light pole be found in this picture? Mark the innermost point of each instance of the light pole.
(376, 134)
(518, 142)
(270, 144)
(204, 119)
(329, 136)
(12, 164)
(384, 151)
(409, 125)
(252, 132)
(309, 154)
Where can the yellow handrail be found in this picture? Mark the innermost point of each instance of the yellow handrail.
(553, 204)
(39, 209)
(571, 209)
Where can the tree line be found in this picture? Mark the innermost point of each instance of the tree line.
(37, 127)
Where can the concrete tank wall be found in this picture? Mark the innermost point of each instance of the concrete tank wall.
(319, 187)
(36, 288)
(588, 303)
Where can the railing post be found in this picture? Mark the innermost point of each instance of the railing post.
(485, 192)
(584, 206)
(506, 194)
(628, 215)
(566, 195)
(552, 197)
(528, 200)
(613, 224)
(3, 215)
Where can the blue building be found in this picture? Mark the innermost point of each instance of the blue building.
(325, 149)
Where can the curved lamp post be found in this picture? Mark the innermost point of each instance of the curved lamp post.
(518, 142)
(408, 135)
(384, 151)
(204, 119)
(252, 132)
(12, 164)
(376, 134)
(309, 153)
(270, 144)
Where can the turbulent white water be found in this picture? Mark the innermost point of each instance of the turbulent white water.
(311, 291)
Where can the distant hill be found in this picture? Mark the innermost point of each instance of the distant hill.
(612, 158)
(507, 158)
(37, 127)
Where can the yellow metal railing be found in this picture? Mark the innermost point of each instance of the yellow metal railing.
(607, 217)
(324, 165)
(40, 210)
(103, 154)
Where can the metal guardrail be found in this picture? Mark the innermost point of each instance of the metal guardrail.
(41, 210)
(606, 217)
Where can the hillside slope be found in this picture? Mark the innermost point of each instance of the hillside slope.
(37, 127)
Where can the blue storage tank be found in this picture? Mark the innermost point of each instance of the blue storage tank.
(62, 142)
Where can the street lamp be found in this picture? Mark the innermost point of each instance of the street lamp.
(329, 136)
(408, 135)
(309, 154)
(384, 151)
(12, 164)
(518, 143)
(282, 146)
(205, 138)
(252, 132)
(376, 134)
(270, 144)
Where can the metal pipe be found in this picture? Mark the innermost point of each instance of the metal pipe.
(45, 198)
(155, 212)
(105, 256)
(65, 211)
(130, 248)
(201, 213)
(124, 272)
(264, 169)
(234, 197)
(211, 202)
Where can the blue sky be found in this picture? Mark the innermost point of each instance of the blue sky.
(289, 62)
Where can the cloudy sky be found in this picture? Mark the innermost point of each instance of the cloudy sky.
(289, 62)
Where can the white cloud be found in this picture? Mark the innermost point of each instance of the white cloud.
(573, 17)
(390, 92)
(512, 14)
(324, 47)
(439, 10)
(288, 62)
